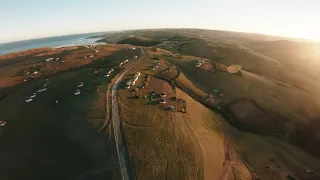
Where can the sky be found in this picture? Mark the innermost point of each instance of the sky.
(27, 19)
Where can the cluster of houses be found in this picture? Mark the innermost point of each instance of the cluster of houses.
(89, 46)
(85, 57)
(53, 59)
(133, 81)
(144, 81)
(162, 95)
(156, 65)
(40, 90)
(123, 63)
(77, 92)
(109, 72)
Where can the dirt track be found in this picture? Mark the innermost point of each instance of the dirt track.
(123, 154)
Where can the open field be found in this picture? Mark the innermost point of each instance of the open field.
(193, 104)
(166, 144)
(267, 164)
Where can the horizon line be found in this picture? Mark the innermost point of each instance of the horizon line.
(257, 33)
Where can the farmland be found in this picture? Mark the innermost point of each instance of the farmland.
(162, 104)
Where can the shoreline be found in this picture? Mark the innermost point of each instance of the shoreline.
(52, 42)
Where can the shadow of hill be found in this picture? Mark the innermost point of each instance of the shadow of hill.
(44, 140)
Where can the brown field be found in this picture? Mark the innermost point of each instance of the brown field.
(240, 139)
(259, 123)
(197, 132)
(239, 87)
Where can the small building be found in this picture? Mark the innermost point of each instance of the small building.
(33, 95)
(77, 92)
(162, 101)
(80, 84)
(28, 99)
(163, 94)
(42, 89)
(2, 123)
(49, 59)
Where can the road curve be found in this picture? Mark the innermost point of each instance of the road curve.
(123, 153)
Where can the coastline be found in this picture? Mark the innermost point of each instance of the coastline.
(52, 42)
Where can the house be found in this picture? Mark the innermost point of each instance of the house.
(28, 99)
(2, 123)
(42, 89)
(49, 59)
(33, 95)
(77, 92)
(162, 101)
(80, 84)
(163, 94)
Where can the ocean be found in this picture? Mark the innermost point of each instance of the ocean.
(57, 41)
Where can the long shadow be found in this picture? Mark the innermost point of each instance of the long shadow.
(125, 149)
(152, 103)
(43, 140)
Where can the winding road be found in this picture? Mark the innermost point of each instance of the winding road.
(123, 153)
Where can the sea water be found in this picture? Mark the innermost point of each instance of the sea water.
(54, 42)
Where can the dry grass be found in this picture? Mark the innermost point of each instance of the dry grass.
(161, 145)
(261, 149)
(206, 128)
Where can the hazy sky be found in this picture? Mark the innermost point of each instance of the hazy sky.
(25, 19)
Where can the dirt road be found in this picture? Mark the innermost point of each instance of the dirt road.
(123, 153)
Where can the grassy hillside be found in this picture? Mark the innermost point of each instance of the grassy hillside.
(139, 41)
